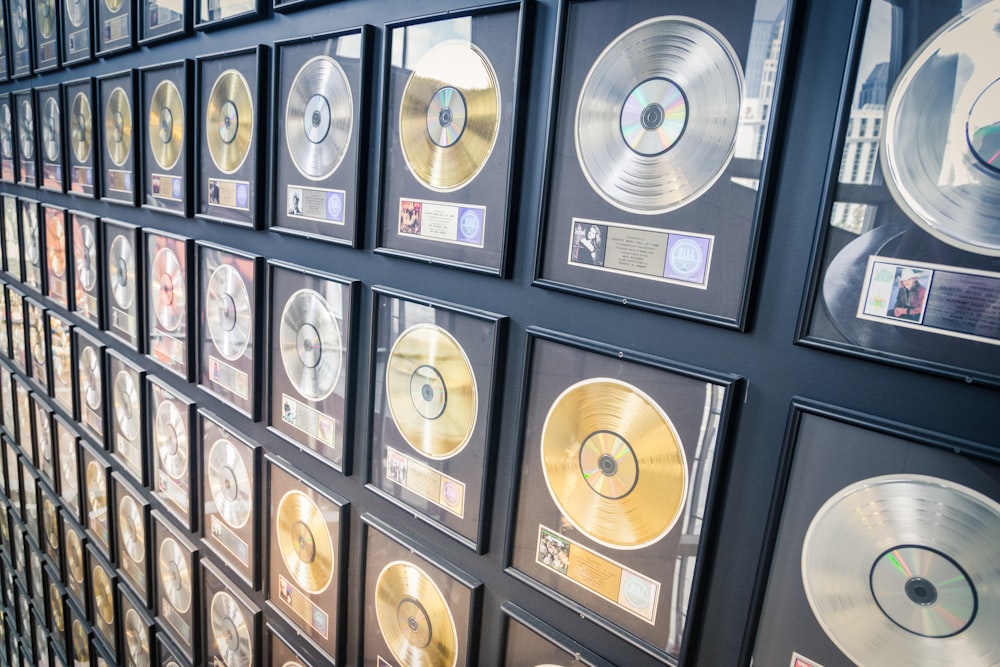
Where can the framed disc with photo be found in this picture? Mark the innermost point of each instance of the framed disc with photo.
(31, 243)
(97, 492)
(434, 378)
(132, 536)
(56, 255)
(230, 118)
(50, 136)
(118, 132)
(24, 134)
(61, 350)
(18, 348)
(319, 164)
(46, 23)
(123, 282)
(127, 415)
(38, 341)
(310, 361)
(90, 383)
(8, 152)
(115, 26)
(659, 139)
(167, 92)
(85, 259)
(103, 582)
(12, 238)
(20, 39)
(78, 101)
(232, 621)
(163, 19)
(169, 311)
(171, 440)
(67, 443)
(621, 465)
(77, 31)
(176, 581)
(137, 628)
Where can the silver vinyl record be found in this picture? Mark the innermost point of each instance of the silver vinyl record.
(657, 116)
(32, 236)
(310, 344)
(132, 533)
(229, 482)
(168, 289)
(51, 122)
(175, 577)
(6, 132)
(228, 312)
(90, 377)
(902, 570)
(319, 118)
(26, 129)
(19, 22)
(136, 640)
(76, 11)
(170, 437)
(126, 405)
(230, 633)
(81, 127)
(86, 262)
(121, 271)
(940, 149)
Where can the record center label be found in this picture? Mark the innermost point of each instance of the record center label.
(316, 618)
(225, 536)
(623, 587)
(446, 492)
(228, 377)
(315, 204)
(313, 423)
(229, 194)
(443, 222)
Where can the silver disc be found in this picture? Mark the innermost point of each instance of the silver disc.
(6, 132)
(319, 118)
(86, 261)
(132, 532)
(90, 377)
(170, 438)
(32, 236)
(121, 271)
(229, 482)
(76, 11)
(175, 577)
(19, 21)
(657, 115)
(126, 405)
(902, 570)
(230, 633)
(51, 119)
(26, 129)
(136, 639)
(228, 313)
(310, 344)
(167, 289)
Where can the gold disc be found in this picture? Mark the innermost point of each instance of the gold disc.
(175, 576)
(136, 639)
(167, 287)
(45, 12)
(56, 607)
(50, 522)
(449, 115)
(305, 542)
(230, 632)
(114, 5)
(166, 124)
(74, 556)
(613, 463)
(414, 617)
(229, 121)
(118, 126)
(55, 242)
(431, 391)
(170, 437)
(104, 601)
(76, 11)
(81, 129)
(96, 488)
(133, 534)
(81, 643)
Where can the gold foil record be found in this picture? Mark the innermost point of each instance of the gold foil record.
(319, 116)
(414, 617)
(126, 404)
(613, 463)
(310, 344)
(55, 242)
(431, 391)
(26, 129)
(81, 643)
(166, 124)
(38, 351)
(133, 534)
(136, 639)
(74, 556)
(305, 542)
(118, 126)
(449, 115)
(90, 377)
(56, 607)
(170, 437)
(228, 312)
(85, 256)
(76, 11)
(50, 522)
(114, 5)
(104, 601)
(902, 570)
(175, 576)
(121, 271)
(81, 129)
(230, 633)
(168, 289)
(229, 121)
(51, 124)
(657, 115)
(229, 482)
(96, 489)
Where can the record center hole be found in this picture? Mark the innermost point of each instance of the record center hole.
(652, 116)
(304, 543)
(608, 465)
(228, 313)
(921, 591)
(444, 117)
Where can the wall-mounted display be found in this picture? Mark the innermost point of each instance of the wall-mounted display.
(122, 282)
(61, 351)
(434, 379)
(55, 606)
(229, 142)
(15, 308)
(171, 439)
(31, 243)
(126, 412)
(38, 339)
(137, 630)
(90, 383)
(4, 76)
(50, 121)
(76, 572)
(51, 528)
(132, 536)
(78, 102)
(8, 168)
(97, 494)
(103, 599)
(167, 92)
(169, 311)
(56, 253)
(450, 105)
(176, 577)
(86, 246)
(319, 165)
(114, 26)
(11, 237)
(310, 364)
(232, 621)
(118, 135)
(46, 22)
(20, 39)
(4, 334)
(24, 134)
(77, 32)
(904, 270)
(45, 450)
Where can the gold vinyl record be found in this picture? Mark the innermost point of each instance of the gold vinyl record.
(81, 643)
(319, 117)
(414, 617)
(902, 570)
(51, 124)
(74, 556)
(55, 246)
(121, 271)
(657, 115)
(118, 126)
(104, 601)
(32, 236)
(114, 5)
(45, 12)
(136, 639)
(431, 391)
(6, 132)
(81, 129)
(97, 492)
(133, 534)
(449, 115)
(166, 124)
(175, 576)
(56, 607)
(168, 288)
(305, 542)
(76, 11)
(229, 121)
(310, 344)
(50, 522)
(126, 405)
(228, 312)
(44, 440)
(230, 632)
(26, 129)
(90, 377)
(229, 482)
(170, 437)
(85, 255)
(613, 463)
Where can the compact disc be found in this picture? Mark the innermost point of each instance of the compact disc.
(131, 529)
(449, 115)
(74, 556)
(175, 576)
(310, 344)
(6, 131)
(230, 631)
(228, 312)
(121, 271)
(97, 492)
(76, 11)
(305, 542)
(81, 130)
(51, 122)
(431, 391)
(229, 482)
(90, 377)
(136, 638)
(229, 121)
(126, 405)
(85, 255)
(166, 124)
(168, 289)
(613, 463)
(45, 13)
(26, 129)
(940, 149)
(55, 244)
(319, 117)
(918, 589)
(414, 617)
(657, 115)
(118, 126)
(56, 607)
(104, 602)
(170, 435)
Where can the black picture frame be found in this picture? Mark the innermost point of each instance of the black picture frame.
(89, 362)
(38, 350)
(179, 622)
(4, 332)
(115, 23)
(18, 329)
(167, 179)
(45, 19)
(96, 489)
(220, 597)
(226, 13)
(45, 456)
(132, 537)
(76, 570)
(101, 573)
(77, 31)
(50, 528)
(8, 152)
(63, 369)
(118, 136)
(31, 243)
(57, 273)
(81, 135)
(25, 133)
(169, 315)
(172, 437)
(4, 46)
(123, 281)
(529, 641)
(67, 443)
(127, 415)
(20, 39)
(158, 22)
(86, 253)
(137, 637)
(50, 136)
(12, 237)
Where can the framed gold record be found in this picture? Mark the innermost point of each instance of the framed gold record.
(80, 635)
(51, 525)
(8, 151)
(63, 371)
(168, 125)
(280, 650)
(81, 131)
(75, 570)
(163, 19)
(50, 137)
(449, 152)
(20, 38)
(604, 432)
(176, 598)
(307, 530)
(229, 142)
(171, 440)
(132, 536)
(77, 36)
(232, 621)
(85, 252)
(127, 415)
(67, 444)
(96, 496)
(114, 22)
(168, 299)
(25, 128)
(433, 405)
(57, 270)
(55, 609)
(46, 42)
(38, 350)
(103, 584)
(45, 449)
(136, 629)
(18, 345)
(117, 133)
(122, 281)
(32, 238)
